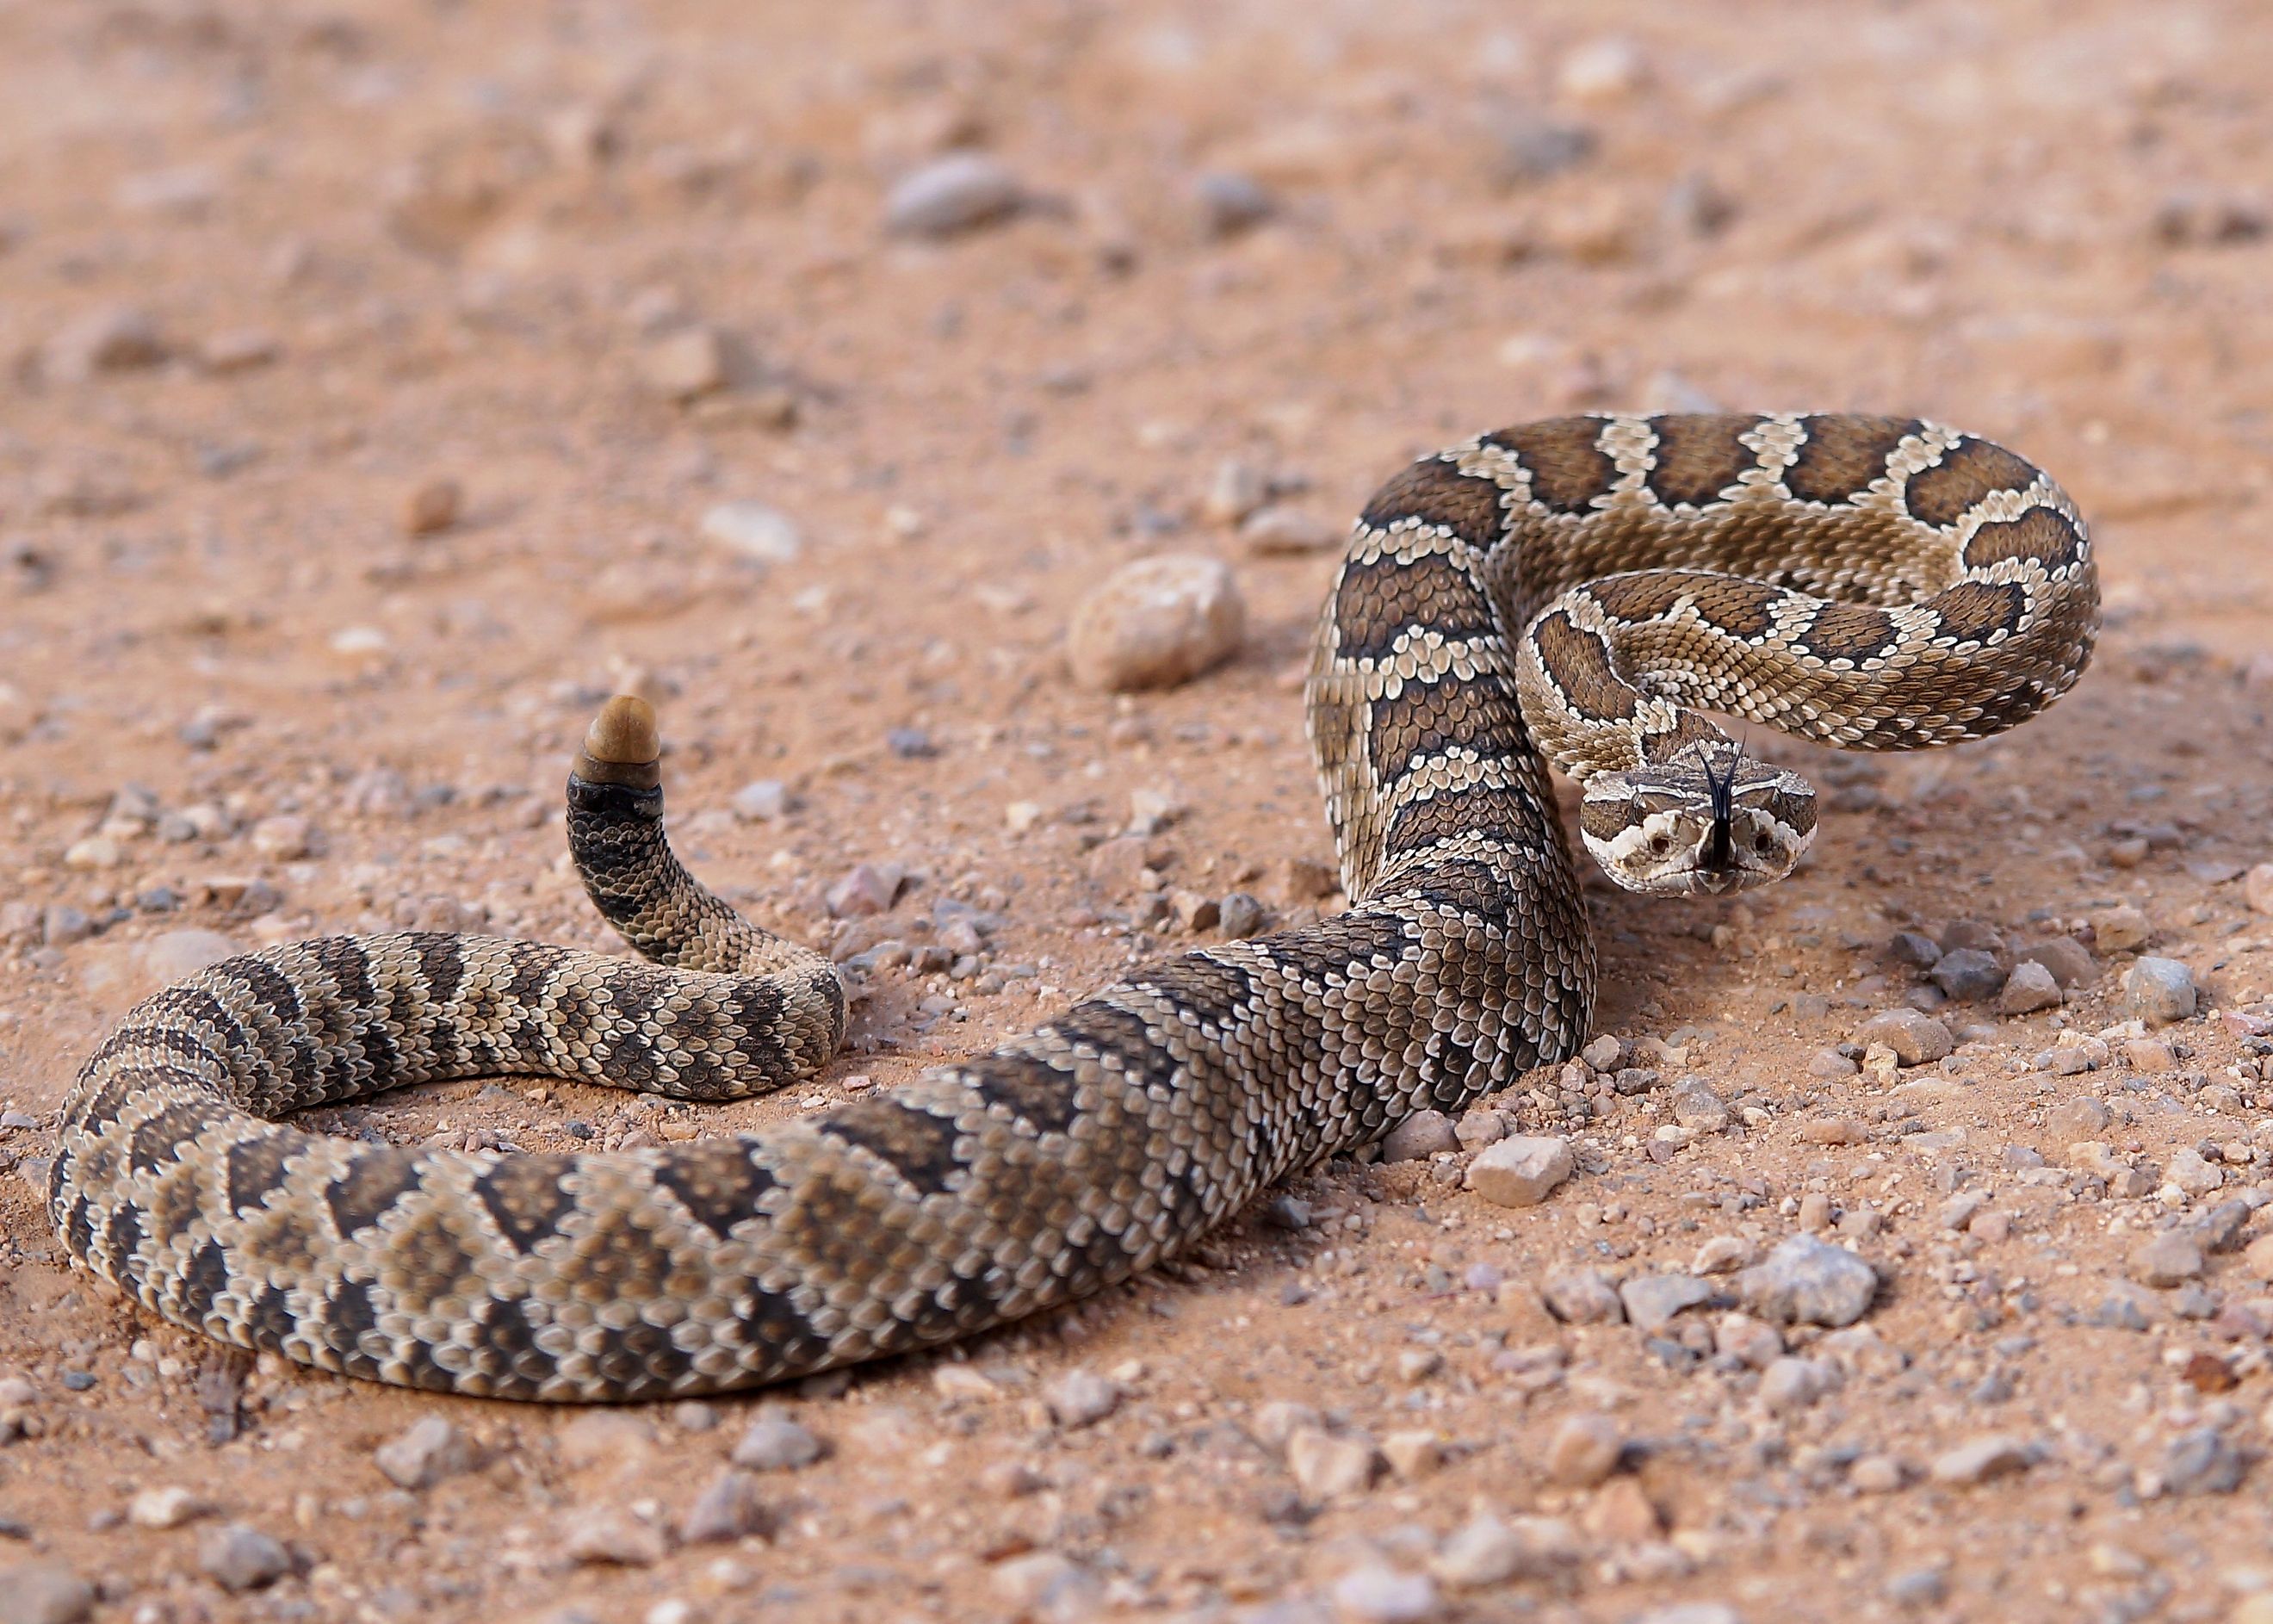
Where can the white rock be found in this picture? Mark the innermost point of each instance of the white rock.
(1521, 1170)
(1329, 1466)
(1378, 1594)
(1486, 1551)
(166, 1507)
(2159, 991)
(1155, 623)
(1983, 1459)
(957, 192)
(775, 1443)
(1808, 1281)
(754, 531)
(424, 1454)
(763, 801)
(1790, 1384)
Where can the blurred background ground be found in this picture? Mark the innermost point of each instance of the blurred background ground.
(385, 384)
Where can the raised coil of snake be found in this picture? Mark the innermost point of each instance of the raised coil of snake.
(1581, 590)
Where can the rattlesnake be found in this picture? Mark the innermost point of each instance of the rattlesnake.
(1571, 588)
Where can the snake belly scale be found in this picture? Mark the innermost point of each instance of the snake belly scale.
(1582, 589)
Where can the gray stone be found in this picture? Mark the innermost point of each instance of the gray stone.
(1379, 1594)
(763, 801)
(1604, 1053)
(43, 1593)
(1983, 1459)
(606, 1535)
(1790, 1384)
(1155, 623)
(731, 1508)
(868, 889)
(1690, 1612)
(1651, 1300)
(1696, 1107)
(1422, 1135)
(2159, 991)
(239, 1556)
(957, 192)
(1081, 1398)
(1918, 1587)
(2170, 1259)
(2030, 988)
(1240, 915)
(1520, 1170)
(1914, 1037)
(1486, 1551)
(2200, 1462)
(1229, 202)
(2082, 1118)
(1808, 1281)
(1582, 1296)
(2069, 960)
(1968, 975)
(775, 1443)
(1048, 1584)
(423, 1455)
(1915, 949)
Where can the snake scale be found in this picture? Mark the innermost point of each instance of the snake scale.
(1582, 589)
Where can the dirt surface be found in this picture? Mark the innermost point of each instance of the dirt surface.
(268, 275)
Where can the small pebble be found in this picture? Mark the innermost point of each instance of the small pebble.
(1229, 202)
(1378, 1594)
(422, 1456)
(432, 507)
(1583, 1450)
(1081, 1398)
(775, 1443)
(1808, 1281)
(1982, 1460)
(1653, 1300)
(1915, 1038)
(1791, 1384)
(1582, 1296)
(239, 1556)
(2170, 1259)
(753, 531)
(2158, 991)
(1240, 915)
(1328, 1466)
(1520, 1170)
(166, 1508)
(44, 1593)
(730, 1508)
(2030, 988)
(957, 192)
(607, 1535)
(1155, 623)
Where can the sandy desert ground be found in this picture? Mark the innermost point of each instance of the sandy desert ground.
(385, 384)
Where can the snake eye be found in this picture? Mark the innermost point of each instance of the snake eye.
(1660, 843)
(1764, 843)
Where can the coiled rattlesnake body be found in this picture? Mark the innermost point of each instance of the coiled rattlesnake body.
(1578, 588)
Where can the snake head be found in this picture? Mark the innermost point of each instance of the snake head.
(1697, 826)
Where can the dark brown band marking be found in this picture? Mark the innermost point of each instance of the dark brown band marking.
(1579, 662)
(1570, 471)
(1380, 602)
(1850, 631)
(1968, 471)
(1976, 611)
(2040, 536)
(1843, 455)
(1736, 606)
(1436, 492)
(1698, 458)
